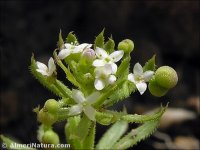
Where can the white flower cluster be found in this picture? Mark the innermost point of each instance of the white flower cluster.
(105, 68)
(105, 64)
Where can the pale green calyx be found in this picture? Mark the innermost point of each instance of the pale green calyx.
(83, 104)
(139, 77)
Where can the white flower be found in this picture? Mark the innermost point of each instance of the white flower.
(84, 104)
(44, 70)
(71, 49)
(103, 76)
(105, 58)
(140, 78)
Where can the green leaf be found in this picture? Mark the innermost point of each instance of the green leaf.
(108, 117)
(83, 128)
(120, 93)
(105, 118)
(64, 89)
(99, 41)
(108, 92)
(136, 135)
(151, 123)
(70, 132)
(112, 135)
(10, 144)
(71, 38)
(123, 69)
(60, 42)
(150, 64)
(69, 75)
(88, 143)
(43, 80)
(109, 45)
(143, 118)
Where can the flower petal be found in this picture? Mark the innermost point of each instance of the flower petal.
(43, 72)
(78, 96)
(41, 66)
(131, 78)
(64, 53)
(117, 55)
(101, 53)
(112, 79)
(89, 112)
(68, 46)
(147, 75)
(114, 68)
(107, 69)
(92, 97)
(75, 110)
(84, 46)
(137, 70)
(98, 63)
(141, 86)
(51, 66)
(99, 84)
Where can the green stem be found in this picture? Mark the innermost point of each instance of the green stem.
(61, 89)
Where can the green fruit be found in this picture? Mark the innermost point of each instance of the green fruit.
(126, 45)
(51, 106)
(50, 137)
(166, 77)
(155, 89)
(46, 118)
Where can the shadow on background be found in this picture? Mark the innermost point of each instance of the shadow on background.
(168, 29)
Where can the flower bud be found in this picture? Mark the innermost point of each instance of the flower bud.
(126, 45)
(50, 137)
(155, 89)
(88, 54)
(46, 118)
(166, 77)
(51, 106)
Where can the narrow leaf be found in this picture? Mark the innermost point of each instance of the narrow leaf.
(69, 75)
(109, 45)
(108, 117)
(99, 41)
(112, 135)
(83, 128)
(142, 132)
(70, 128)
(123, 69)
(121, 93)
(136, 135)
(10, 144)
(60, 42)
(150, 64)
(108, 92)
(71, 38)
(88, 143)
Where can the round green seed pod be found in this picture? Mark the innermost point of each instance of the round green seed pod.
(46, 118)
(166, 77)
(126, 45)
(51, 106)
(50, 137)
(155, 89)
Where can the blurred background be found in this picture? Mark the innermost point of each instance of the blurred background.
(168, 29)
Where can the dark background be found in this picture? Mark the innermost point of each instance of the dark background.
(169, 29)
